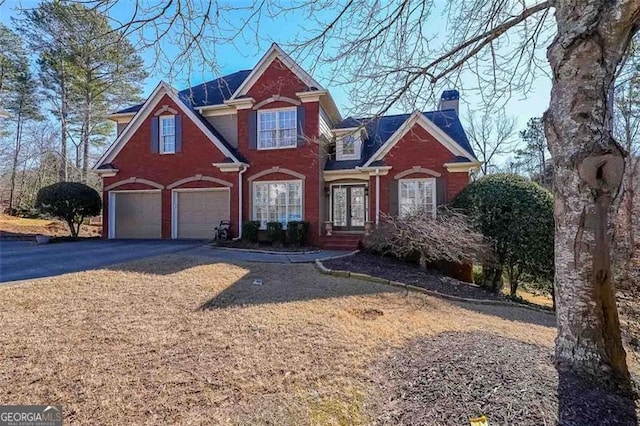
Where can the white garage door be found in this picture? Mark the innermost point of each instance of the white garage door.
(199, 212)
(138, 214)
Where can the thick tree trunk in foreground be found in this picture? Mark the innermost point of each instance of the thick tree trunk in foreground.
(592, 37)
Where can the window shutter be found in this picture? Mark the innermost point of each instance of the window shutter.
(441, 191)
(178, 124)
(155, 144)
(301, 136)
(253, 129)
(393, 198)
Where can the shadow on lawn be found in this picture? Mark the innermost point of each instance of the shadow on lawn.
(515, 313)
(284, 283)
(292, 283)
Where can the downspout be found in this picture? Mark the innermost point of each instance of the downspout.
(240, 173)
(377, 196)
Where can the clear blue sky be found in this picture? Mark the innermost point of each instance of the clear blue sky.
(283, 30)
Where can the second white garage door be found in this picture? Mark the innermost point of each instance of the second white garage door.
(199, 212)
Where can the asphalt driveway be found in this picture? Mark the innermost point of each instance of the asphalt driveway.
(22, 260)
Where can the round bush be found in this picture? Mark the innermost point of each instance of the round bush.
(69, 201)
(517, 215)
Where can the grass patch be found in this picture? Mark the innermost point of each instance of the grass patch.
(188, 340)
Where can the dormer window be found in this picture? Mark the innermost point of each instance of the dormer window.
(348, 147)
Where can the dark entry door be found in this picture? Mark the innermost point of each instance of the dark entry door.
(349, 207)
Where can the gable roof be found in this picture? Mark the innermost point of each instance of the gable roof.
(213, 92)
(146, 108)
(381, 129)
(275, 52)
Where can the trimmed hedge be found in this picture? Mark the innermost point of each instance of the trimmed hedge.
(69, 201)
(274, 232)
(251, 230)
(297, 232)
(517, 215)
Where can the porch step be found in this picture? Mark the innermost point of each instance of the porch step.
(341, 241)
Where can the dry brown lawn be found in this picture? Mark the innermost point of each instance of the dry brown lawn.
(183, 340)
(54, 228)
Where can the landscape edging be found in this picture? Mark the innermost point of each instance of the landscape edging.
(284, 253)
(364, 277)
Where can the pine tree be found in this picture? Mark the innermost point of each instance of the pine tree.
(89, 68)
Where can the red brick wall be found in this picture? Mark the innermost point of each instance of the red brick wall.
(419, 148)
(198, 153)
(279, 80)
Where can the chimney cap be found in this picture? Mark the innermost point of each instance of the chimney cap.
(450, 95)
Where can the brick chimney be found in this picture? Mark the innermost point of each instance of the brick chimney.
(450, 100)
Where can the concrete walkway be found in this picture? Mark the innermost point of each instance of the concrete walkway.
(249, 256)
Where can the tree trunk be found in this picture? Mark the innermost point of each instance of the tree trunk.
(592, 37)
(62, 171)
(14, 165)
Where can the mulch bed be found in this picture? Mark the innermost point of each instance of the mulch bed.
(408, 273)
(448, 379)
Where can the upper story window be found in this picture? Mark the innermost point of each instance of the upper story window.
(167, 134)
(277, 128)
(348, 147)
(417, 195)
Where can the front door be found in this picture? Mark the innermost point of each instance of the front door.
(348, 207)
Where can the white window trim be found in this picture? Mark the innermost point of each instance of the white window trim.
(253, 199)
(434, 192)
(276, 110)
(357, 146)
(160, 135)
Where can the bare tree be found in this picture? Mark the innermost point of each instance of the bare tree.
(450, 237)
(386, 52)
(627, 128)
(492, 134)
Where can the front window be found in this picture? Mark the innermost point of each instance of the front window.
(167, 135)
(417, 195)
(277, 129)
(277, 202)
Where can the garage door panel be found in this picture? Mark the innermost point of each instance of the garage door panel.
(200, 212)
(138, 215)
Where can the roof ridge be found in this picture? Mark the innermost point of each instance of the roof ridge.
(398, 115)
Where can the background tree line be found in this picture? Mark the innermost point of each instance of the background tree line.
(62, 70)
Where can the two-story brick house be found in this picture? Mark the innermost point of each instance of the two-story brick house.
(269, 144)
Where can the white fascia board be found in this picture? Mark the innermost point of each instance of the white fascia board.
(419, 118)
(144, 112)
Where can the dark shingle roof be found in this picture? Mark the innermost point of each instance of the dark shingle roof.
(213, 92)
(380, 129)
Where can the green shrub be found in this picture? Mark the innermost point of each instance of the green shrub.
(297, 232)
(274, 232)
(250, 230)
(69, 201)
(478, 277)
(516, 214)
